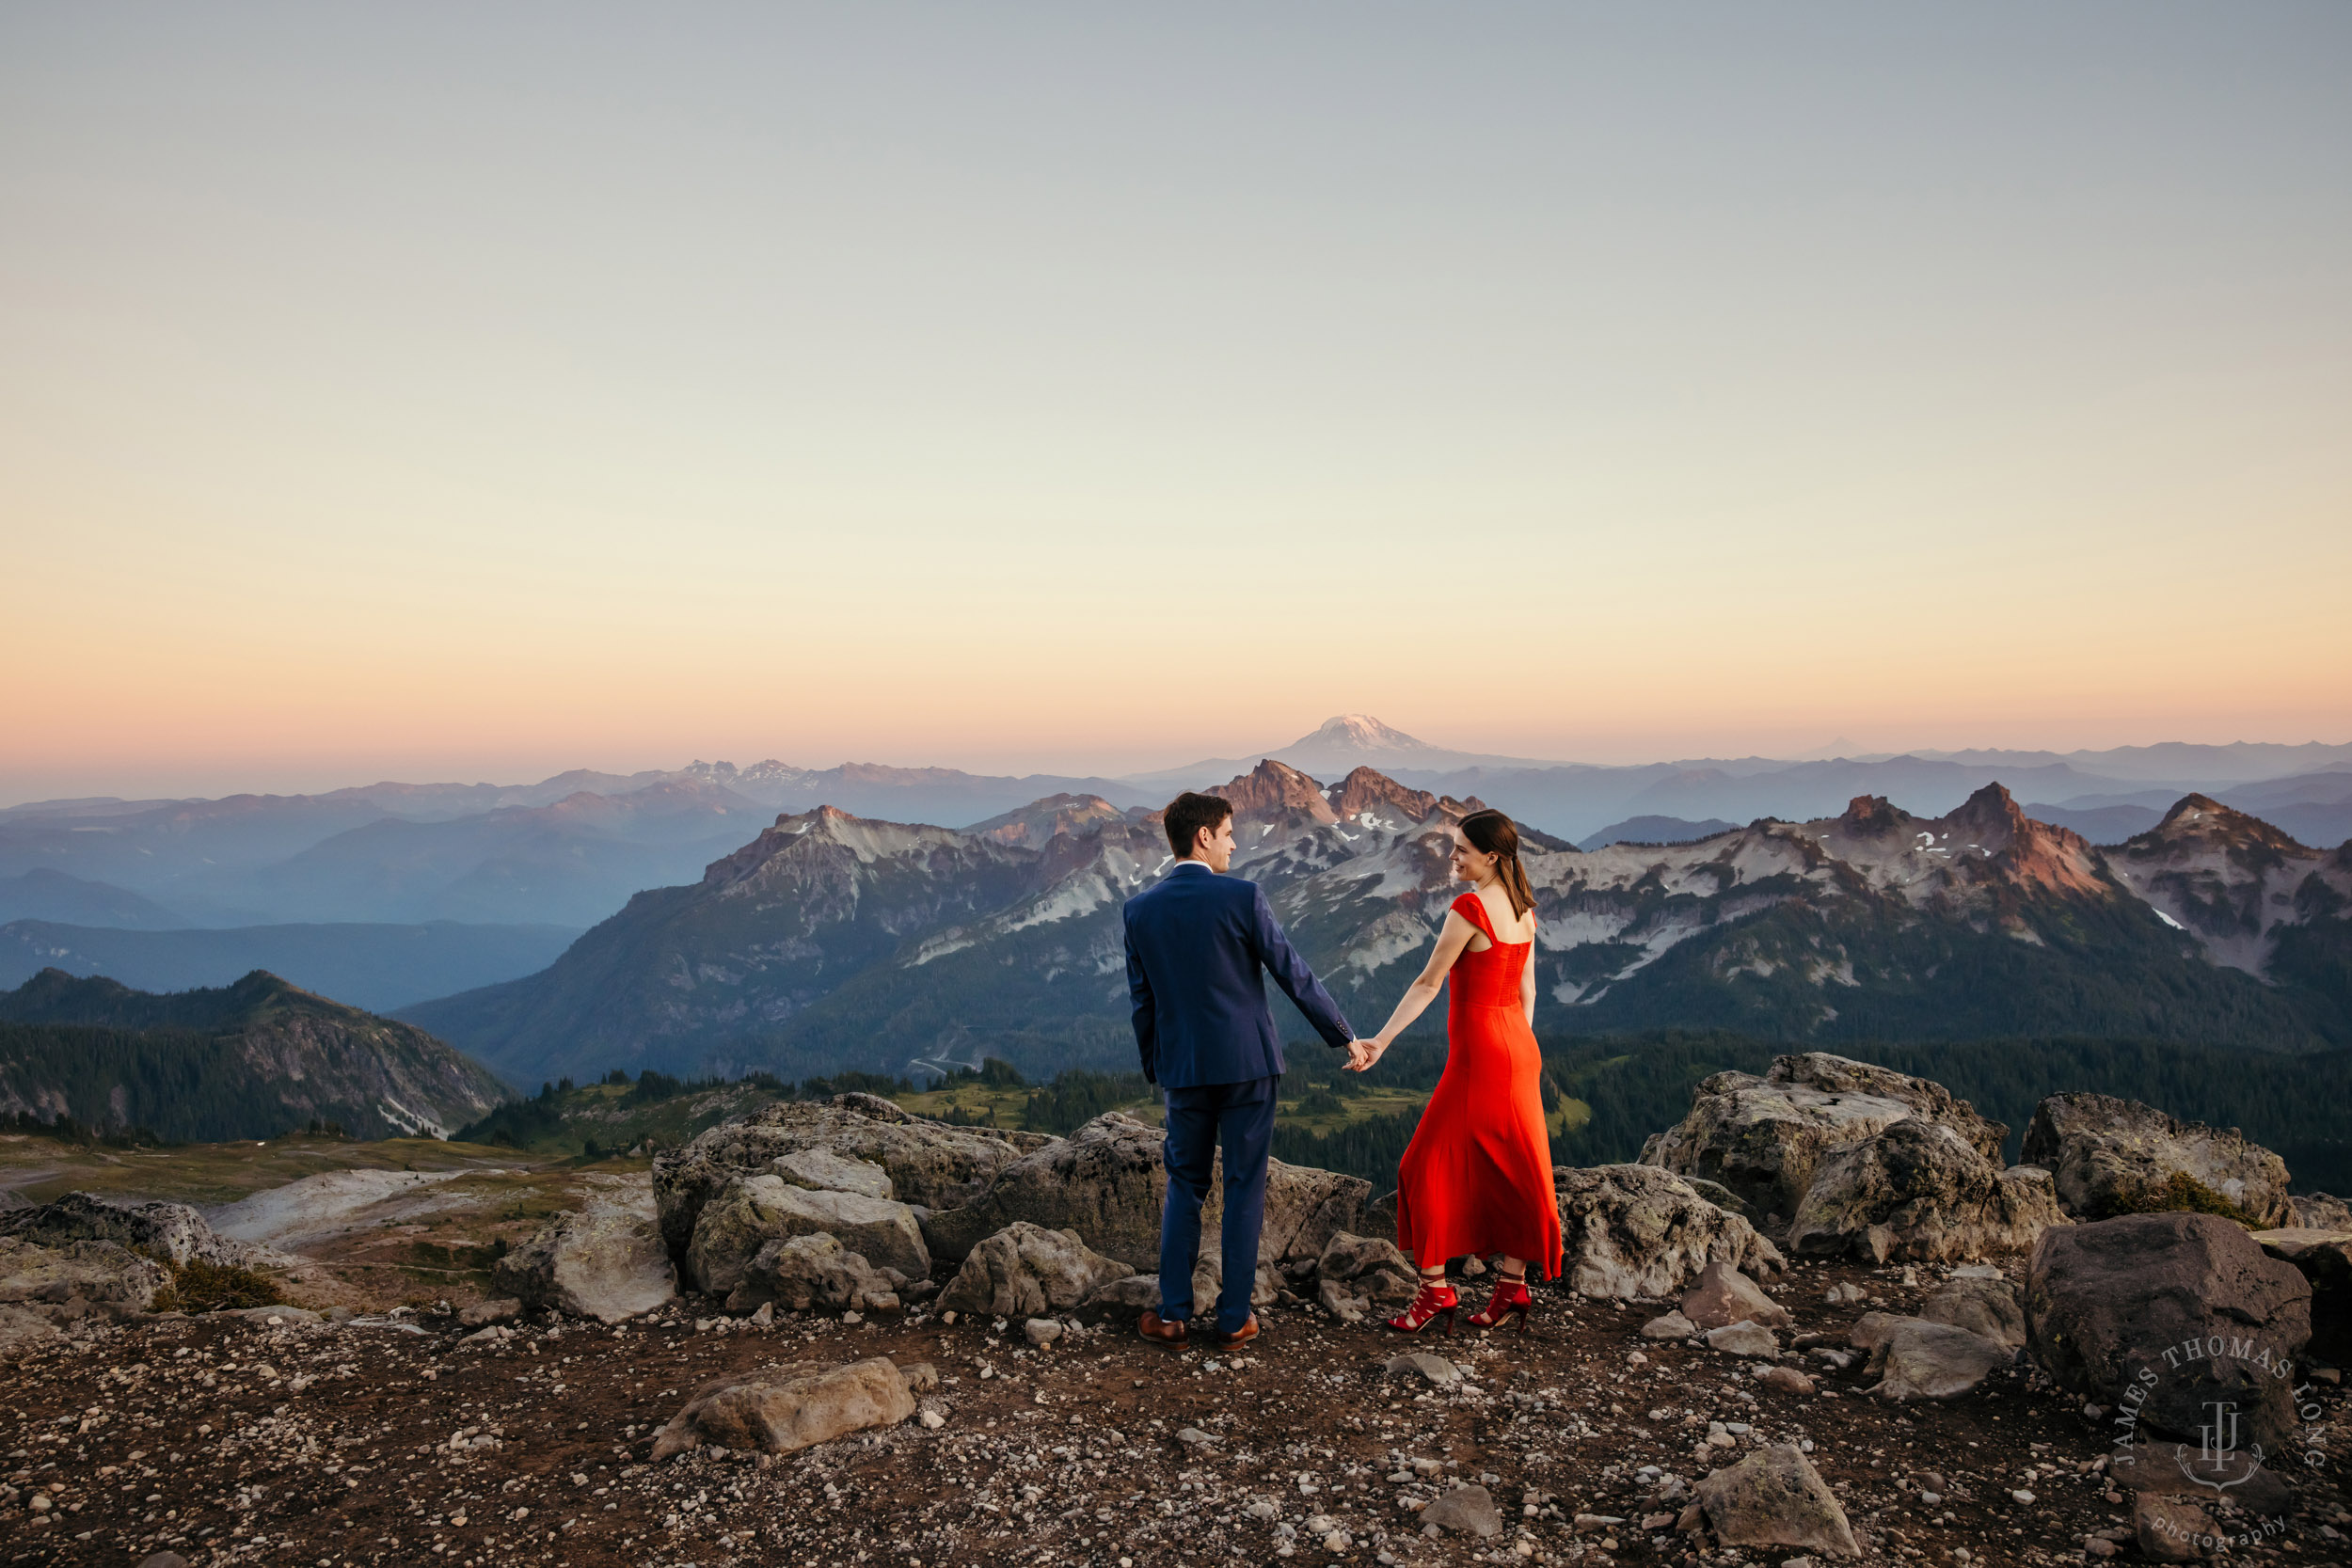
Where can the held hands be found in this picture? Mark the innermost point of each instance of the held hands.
(1362, 1053)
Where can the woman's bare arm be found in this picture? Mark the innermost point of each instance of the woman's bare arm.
(1527, 981)
(1453, 937)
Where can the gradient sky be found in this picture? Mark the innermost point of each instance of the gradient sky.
(476, 391)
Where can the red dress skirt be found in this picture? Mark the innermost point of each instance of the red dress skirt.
(1477, 1176)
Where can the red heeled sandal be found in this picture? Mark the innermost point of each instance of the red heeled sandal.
(1509, 1300)
(1431, 1301)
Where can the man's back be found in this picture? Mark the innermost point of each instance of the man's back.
(1199, 946)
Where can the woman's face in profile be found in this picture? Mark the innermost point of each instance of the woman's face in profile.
(1470, 863)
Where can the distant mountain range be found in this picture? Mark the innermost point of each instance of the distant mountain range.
(571, 850)
(252, 1060)
(379, 967)
(836, 941)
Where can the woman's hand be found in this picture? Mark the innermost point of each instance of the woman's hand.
(1362, 1053)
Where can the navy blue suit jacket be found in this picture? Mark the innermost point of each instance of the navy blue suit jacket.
(1197, 947)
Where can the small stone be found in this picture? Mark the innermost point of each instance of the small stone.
(2099, 1546)
(2022, 1495)
(1193, 1437)
(765, 1317)
(163, 1560)
(1467, 1509)
(484, 1313)
(1654, 1522)
(1743, 1339)
(1436, 1368)
(933, 1420)
(1673, 1325)
(1787, 1379)
(853, 1317)
(1041, 1331)
(1262, 1509)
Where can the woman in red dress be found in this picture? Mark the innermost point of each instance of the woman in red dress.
(1477, 1176)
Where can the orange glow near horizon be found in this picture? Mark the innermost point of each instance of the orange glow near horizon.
(930, 390)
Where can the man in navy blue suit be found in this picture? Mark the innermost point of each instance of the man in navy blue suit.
(1199, 946)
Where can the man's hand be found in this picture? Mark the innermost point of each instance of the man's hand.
(1362, 1054)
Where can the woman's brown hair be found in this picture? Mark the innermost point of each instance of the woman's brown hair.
(1490, 832)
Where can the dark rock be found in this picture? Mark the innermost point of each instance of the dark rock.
(2174, 1311)
(1774, 1497)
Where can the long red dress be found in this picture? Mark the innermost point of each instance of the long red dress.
(1477, 1176)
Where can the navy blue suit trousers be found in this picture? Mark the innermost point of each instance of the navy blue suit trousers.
(1241, 1116)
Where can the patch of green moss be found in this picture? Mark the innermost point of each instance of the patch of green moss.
(2177, 1194)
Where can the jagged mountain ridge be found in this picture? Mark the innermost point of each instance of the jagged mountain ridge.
(837, 941)
(253, 1059)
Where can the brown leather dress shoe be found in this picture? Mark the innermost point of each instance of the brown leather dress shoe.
(1159, 1332)
(1240, 1336)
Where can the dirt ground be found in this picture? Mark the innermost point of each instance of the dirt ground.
(385, 1440)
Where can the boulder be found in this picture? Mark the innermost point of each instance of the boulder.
(1981, 1305)
(822, 1170)
(606, 1262)
(1924, 1360)
(1762, 1138)
(2325, 1258)
(75, 1277)
(171, 1232)
(929, 1163)
(2172, 1529)
(2112, 1157)
(1640, 1230)
(752, 1210)
(1873, 1329)
(483, 1314)
(1776, 1498)
(763, 1412)
(1362, 1276)
(25, 1329)
(2321, 1212)
(1919, 1190)
(813, 1271)
(1124, 1297)
(1724, 1295)
(2180, 1310)
(1027, 1271)
(1106, 1181)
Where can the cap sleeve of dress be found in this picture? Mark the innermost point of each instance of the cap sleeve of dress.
(1473, 909)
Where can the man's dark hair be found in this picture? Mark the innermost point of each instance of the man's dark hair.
(1188, 814)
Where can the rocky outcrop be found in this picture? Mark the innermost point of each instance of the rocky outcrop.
(1774, 1497)
(1764, 1137)
(821, 1170)
(1919, 1359)
(1027, 1271)
(2161, 1314)
(1919, 1190)
(76, 1277)
(2319, 1211)
(929, 1163)
(816, 1272)
(1108, 1180)
(172, 1232)
(1640, 1230)
(606, 1262)
(1357, 1276)
(752, 1210)
(2110, 1156)
(765, 1414)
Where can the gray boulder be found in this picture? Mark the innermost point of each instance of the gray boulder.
(1106, 1181)
(605, 1262)
(1362, 1276)
(73, 1277)
(1923, 1360)
(760, 1411)
(2320, 1212)
(1640, 1230)
(2325, 1258)
(1919, 1190)
(1763, 1137)
(822, 1170)
(929, 1163)
(1743, 1339)
(1776, 1498)
(172, 1232)
(1981, 1305)
(2117, 1305)
(1464, 1511)
(752, 1210)
(1724, 1295)
(2111, 1156)
(814, 1272)
(1027, 1271)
